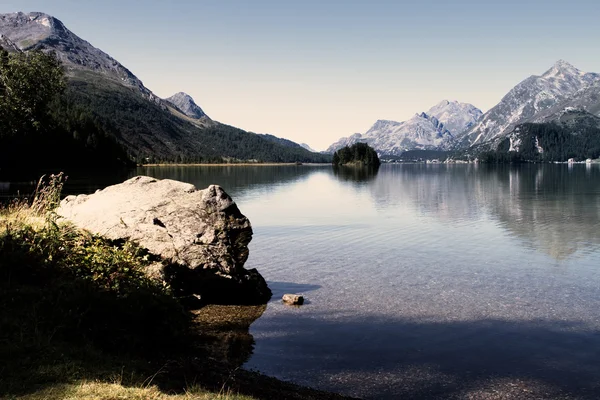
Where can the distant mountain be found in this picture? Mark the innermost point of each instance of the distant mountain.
(456, 117)
(186, 104)
(527, 102)
(344, 142)
(436, 129)
(307, 147)
(572, 134)
(106, 103)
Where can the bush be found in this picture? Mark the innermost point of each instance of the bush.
(79, 287)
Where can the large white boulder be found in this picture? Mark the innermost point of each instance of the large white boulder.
(200, 234)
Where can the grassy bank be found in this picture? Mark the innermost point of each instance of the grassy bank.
(79, 319)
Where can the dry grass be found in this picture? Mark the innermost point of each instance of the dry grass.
(37, 212)
(114, 391)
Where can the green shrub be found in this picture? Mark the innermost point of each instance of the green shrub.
(79, 287)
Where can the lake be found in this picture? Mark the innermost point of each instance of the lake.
(422, 281)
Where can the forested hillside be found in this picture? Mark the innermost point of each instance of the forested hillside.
(575, 135)
(88, 120)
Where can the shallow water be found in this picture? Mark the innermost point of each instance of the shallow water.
(425, 281)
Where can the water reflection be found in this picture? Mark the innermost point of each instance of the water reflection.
(237, 180)
(226, 329)
(552, 208)
(355, 174)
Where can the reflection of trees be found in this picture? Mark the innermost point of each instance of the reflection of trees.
(355, 174)
(236, 180)
(553, 207)
(447, 191)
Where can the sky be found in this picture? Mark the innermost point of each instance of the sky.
(313, 71)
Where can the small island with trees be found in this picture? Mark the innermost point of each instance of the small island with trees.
(357, 155)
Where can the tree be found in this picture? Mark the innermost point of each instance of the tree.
(357, 154)
(28, 83)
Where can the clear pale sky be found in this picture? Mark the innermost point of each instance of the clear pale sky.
(316, 70)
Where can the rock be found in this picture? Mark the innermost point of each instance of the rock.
(201, 234)
(293, 299)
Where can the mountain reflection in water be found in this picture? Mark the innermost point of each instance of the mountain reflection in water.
(551, 208)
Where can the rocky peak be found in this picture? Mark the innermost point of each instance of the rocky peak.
(185, 103)
(8, 45)
(529, 99)
(562, 68)
(436, 129)
(456, 117)
(39, 31)
(382, 124)
(28, 30)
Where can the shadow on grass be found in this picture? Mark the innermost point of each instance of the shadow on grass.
(58, 329)
(401, 358)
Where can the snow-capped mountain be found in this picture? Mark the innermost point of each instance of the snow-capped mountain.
(585, 100)
(343, 142)
(456, 117)
(39, 31)
(186, 105)
(435, 129)
(528, 100)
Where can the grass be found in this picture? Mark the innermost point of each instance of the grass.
(76, 306)
(79, 319)
(105, 391)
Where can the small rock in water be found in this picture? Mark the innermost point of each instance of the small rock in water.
(293, 299)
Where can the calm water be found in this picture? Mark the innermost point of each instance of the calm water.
(424, 281)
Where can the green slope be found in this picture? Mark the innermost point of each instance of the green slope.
(150, 132)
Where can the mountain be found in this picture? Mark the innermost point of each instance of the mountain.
(186, 105)
(586, 99)
(344, 142)
(574, 133)
(280, 141)
(8, 45)
(39, 31)
(106, 103)
(307, 147)
(456, 117)
(436, 129)
(528, 100)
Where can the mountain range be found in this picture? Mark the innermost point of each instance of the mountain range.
(562, 93)
(440, 128)
(527, 101)
(121, 109)
(106, 103)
